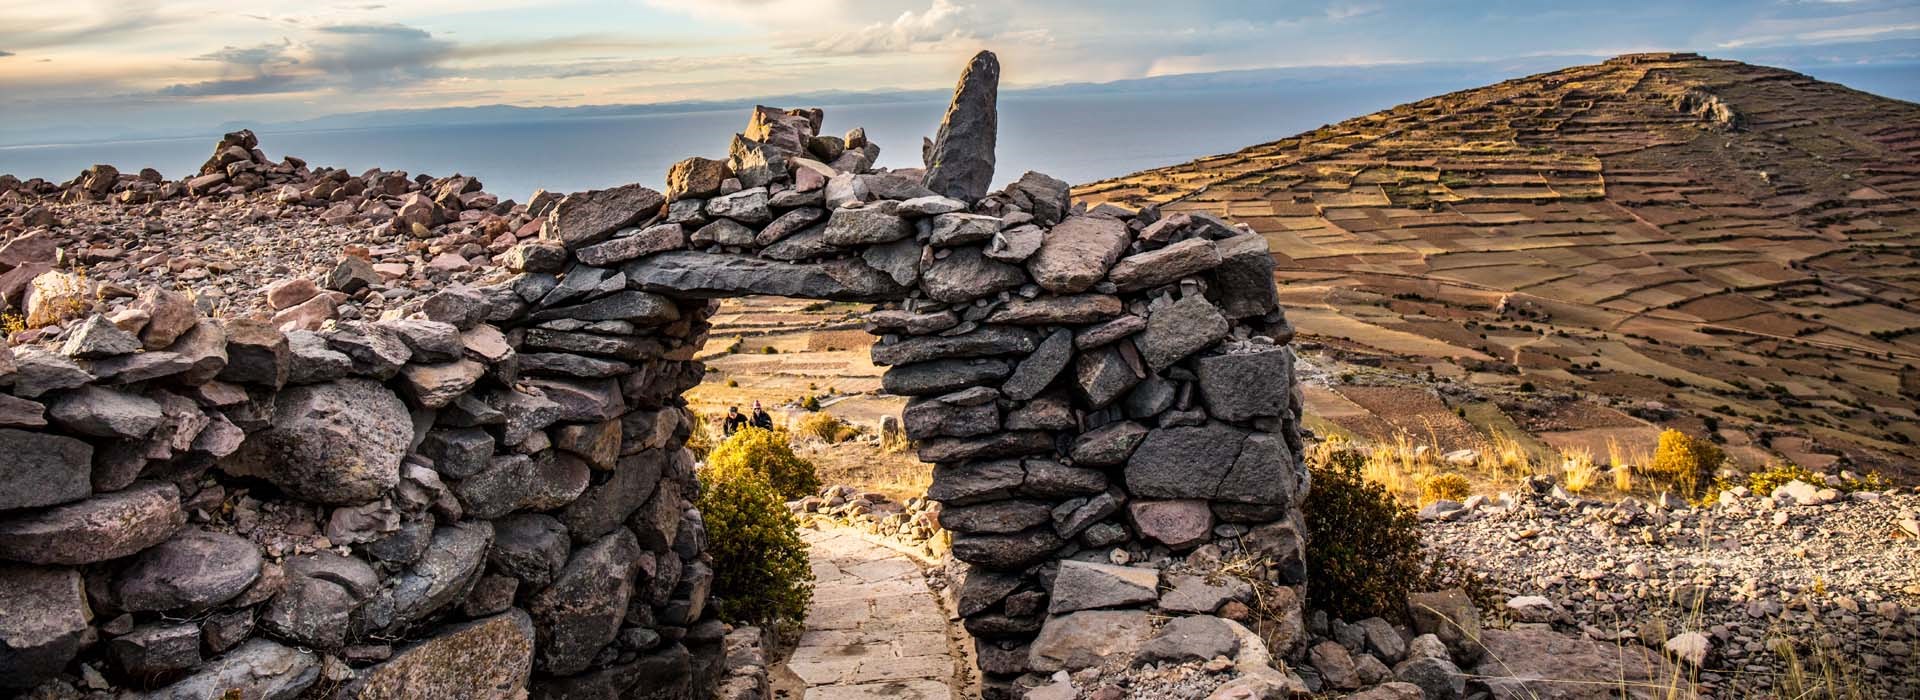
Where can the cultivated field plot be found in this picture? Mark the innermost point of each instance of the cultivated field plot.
(1736, 245)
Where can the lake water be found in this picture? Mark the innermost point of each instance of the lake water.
(1076, 137)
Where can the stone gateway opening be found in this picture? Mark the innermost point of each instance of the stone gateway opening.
(500, 476)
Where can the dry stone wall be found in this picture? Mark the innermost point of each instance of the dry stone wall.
(487, 489)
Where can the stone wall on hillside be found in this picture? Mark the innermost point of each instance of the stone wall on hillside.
(488, 488)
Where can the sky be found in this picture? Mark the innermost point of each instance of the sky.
(134, 65)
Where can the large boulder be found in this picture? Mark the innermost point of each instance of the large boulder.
(444, 572)
(258, 670)
(1184, 461)
(107, 526)
(491, 657)
(319, 602)
(581, 612)
(43, 620)
(1088, 638)
(1179, 329)
(194, 570)
(961, 162)
(965, 275)
(1247, 385)
(1077, 253)
(584, 218)
(37, 469)
(1533, 661)
(105, 413)
(338, 443)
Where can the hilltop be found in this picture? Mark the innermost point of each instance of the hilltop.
(1590, 254)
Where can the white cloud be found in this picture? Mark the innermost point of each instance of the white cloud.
(942, 23)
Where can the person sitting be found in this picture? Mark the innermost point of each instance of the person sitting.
(761, 419)
(734, 421)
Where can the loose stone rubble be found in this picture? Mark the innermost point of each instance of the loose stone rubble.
(1734, 589)
(496, 472)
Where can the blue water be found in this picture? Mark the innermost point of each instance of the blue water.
(1077, 138)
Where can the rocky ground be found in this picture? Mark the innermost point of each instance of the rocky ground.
(250, 237)
(1749, 587)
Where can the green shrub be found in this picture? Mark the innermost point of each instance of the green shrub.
(1777, 474)
(811, 403)
(1450, 486)
(768, 454)
(1363, 548)
(760, 570)
(1685, 463)
(823, 426)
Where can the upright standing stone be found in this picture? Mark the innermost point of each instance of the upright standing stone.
(961, 162)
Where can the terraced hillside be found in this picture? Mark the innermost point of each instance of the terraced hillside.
(1680, 241)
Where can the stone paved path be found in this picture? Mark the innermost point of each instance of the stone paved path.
(875, 630)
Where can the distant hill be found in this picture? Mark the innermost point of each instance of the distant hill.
(1696, 243)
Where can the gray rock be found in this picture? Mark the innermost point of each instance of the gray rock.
(1007, 551)
(788, 224)
(443, 573)
(1335, 665)
(318, 605)
(931, 206)
(705, 275)
(986, 341)
(1179, 329)
(1180, 525)
(38, 371)
(696, 177)
(597, 443)
(97, 338)
(961, 414)
(376, 351)
(1049, 479)
(723, 232)
(458, 452)
(193, 570)
(996, 517)
(965, 274)
(900, 260)
(1077, 253)
(338, 443)
(1244, 386)
(963, 229)
(1108, 332)
(1163, 266)
(268, 671)
(1184, 462)
(1084, 585)
(1263, 474)
(983, 589)
(1103, 375)
(429, 341)
(150, 650)
(1197, 594)
(747, 206)
(313, 360)
(1451, 616)
(1016, 244)
(257, 353)
(1243, 283)
(942, 376)
(43, 621)
(961, 162)
(643, 242)
(1033, 374)
(1437, 677)
(961, 484)
(638, 308)
(1186, 639)
(1005, 444)
(585, 218)
(37, 469)
(492, 657)
(865, 226)
(531, 547)
(1108, 445)
(581, 611)
(106, 526)
(519, 482)
(581, 400)
(603, 506)
(806, 244)
(1046, 197)
(1383, 639)
(1088, 638)
(1072, 309)
(1074, 517)
(106, 413)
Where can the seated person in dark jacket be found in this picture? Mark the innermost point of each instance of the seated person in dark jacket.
(760, 417)
(734, 420)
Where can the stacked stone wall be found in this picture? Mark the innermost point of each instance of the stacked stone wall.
(488, 489)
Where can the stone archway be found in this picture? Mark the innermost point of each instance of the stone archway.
(498, 475)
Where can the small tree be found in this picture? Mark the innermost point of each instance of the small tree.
(1686, 462)
(768, 454)
(761, 575)
(1363, 548)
